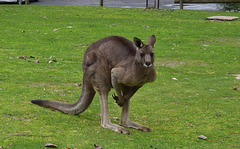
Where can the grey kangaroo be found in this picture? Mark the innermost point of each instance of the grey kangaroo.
(112, 62)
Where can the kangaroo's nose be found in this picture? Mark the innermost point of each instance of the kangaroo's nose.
(148, 63)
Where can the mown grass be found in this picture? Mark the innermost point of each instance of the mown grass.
(202, 55)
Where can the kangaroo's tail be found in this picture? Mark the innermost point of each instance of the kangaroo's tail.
(81, 105)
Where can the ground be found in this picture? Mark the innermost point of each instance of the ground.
(196, 91)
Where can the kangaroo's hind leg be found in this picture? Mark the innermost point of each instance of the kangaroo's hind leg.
(125, 118)
(102, 85)
(105, 122)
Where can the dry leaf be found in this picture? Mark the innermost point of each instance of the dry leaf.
(237, 76)
(37, 61)
(202, 137)
(115, 118)
(22, 57)
(97, 146)
(80, 45)
(78, 84)
(212, 90)
(55, 29)
(50, 145)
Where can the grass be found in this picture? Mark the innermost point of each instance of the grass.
(202, 55)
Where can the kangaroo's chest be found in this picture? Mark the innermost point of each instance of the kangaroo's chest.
(138, 79)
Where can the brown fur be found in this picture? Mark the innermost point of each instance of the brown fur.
(112, 62)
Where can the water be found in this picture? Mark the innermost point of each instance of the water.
(163, 4)
(129, 4)
(210, 6)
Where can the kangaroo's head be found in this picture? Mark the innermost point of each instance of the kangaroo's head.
(145, 53)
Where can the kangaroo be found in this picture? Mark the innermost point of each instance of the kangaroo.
(112, 62)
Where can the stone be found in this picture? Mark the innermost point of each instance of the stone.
(222, 18)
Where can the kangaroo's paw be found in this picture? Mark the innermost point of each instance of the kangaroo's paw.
(115, 97)
(116, 128)
(136, 126)
(118, 100)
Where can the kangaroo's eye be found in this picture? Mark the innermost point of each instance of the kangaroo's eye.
(142, 54)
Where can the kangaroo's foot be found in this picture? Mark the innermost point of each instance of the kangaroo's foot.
(119, 101)
(116, 128)
(136, 126)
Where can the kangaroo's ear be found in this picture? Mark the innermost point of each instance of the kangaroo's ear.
(138, 43)
(152, 40)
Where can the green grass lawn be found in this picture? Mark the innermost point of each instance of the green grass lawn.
(202, 55)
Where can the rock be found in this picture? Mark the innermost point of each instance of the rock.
(222, 18)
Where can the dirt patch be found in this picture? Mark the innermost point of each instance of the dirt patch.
(229, 41)
(178, 63)
(170, 63)
(18, 118)
(223, 41)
